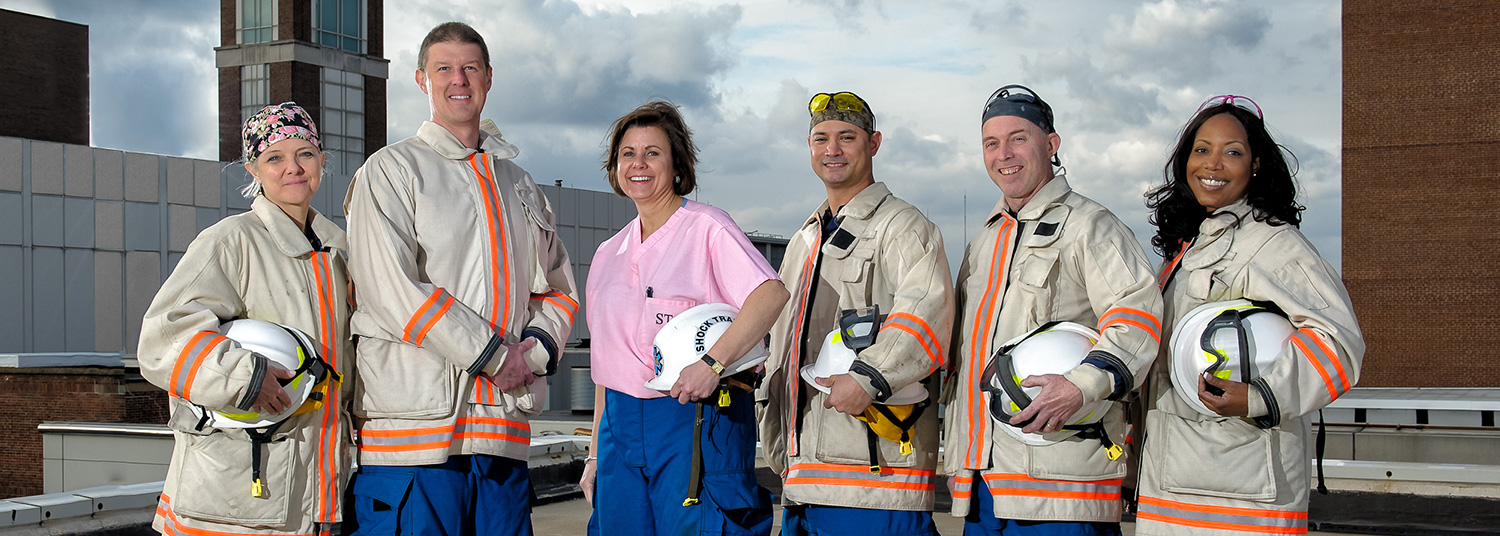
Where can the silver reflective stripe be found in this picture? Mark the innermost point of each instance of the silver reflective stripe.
(1336, 380)
(1252, 521)
(192, 356)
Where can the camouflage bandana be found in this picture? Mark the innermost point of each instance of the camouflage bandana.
(275, 123)
(842, 106)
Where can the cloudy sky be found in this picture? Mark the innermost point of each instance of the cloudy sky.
(1122, 76)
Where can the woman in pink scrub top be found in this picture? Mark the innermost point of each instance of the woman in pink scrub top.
(676, 254)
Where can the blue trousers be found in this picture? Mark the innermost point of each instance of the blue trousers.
(474, 495)
(645, 461)
(981, 522)
(814, 520)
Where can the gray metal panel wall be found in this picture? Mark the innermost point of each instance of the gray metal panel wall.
(87, 235)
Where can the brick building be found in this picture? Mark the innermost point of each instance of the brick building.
(54, 107)
(1421, 186)
(321, 54)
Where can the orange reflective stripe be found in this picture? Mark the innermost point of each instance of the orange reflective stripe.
(1254, 520)
(170, 525)
(979, 341)
(794, 350)
(1166, 271)
(499, 255)
(327, 446)
(562, 301)
(1132, 317)
(828, 474)
(963, 487)
(427, 316)
(1015, 484)
(191, 357)
(909, 323)
(1322, 358)
(441, 437)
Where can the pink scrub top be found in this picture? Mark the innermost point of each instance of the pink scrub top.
(699, 256)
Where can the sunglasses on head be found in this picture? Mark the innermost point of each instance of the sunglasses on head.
(1235, 100)
(843, 100)
(1013, 93)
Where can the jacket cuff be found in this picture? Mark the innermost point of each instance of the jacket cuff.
(545, 342)
(1124, 381)
(257, 377)
(1095, 384)
(1270, 413)
(871, 380)
(486, 356)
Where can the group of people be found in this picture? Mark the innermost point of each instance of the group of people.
(466, 296)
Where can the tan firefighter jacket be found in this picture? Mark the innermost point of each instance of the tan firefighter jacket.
(1235, 474)
(1062, 257)
(458, 250)
(253, 265)
(885, 253)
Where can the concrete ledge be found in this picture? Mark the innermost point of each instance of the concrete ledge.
(1412, 472)
(62, 360)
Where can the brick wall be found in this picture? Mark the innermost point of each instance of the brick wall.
(30, 396)
(1421, 185)
(52, 106)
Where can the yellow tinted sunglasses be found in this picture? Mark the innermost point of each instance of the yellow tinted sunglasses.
(844, 99)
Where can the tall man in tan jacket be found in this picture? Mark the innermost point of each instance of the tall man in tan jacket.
(466, 297)
(863, 254)
(1045, 254)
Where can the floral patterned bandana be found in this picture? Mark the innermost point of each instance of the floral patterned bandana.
(275, 123)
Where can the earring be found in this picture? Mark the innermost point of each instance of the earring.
(677, 180)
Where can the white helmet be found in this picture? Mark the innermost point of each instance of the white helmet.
(1053, 348)
(1225, 338)
(689, 335)
(836, 356)
(283, 345)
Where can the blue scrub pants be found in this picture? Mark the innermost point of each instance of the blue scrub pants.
(645, 461)
(981, 522)
(815, 520)
(475, 495)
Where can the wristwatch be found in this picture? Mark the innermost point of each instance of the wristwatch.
(713, 364)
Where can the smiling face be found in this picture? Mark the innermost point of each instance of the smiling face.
(456, 81)
(289, 172)
(644, 165)
(843, 154)
(1220, 166)
(1018, 157)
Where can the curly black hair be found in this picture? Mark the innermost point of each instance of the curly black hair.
(1272, 192)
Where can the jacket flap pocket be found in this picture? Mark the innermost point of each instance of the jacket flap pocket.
(215, 480)
(1036, 268)
(1227, 458)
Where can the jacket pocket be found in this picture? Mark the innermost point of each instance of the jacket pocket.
(656, 313)
(541, 235)
(1032, 291)
(1227, 458)
(215, 481)
(846, 440)
(402, 381)
(1078, 459)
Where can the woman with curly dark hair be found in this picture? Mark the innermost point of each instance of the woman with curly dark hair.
(1262, 336)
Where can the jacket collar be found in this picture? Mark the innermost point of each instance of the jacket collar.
(1225, 218)
(861, 207)
(1215, 237)
(448, 146)
(1045, 197)
(288, 238)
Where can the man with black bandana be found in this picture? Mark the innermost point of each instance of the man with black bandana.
(857, 454)
(1045, 254)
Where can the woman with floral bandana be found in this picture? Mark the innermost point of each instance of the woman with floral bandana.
(281, 262)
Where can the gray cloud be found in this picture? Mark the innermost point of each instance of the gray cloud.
(152, 83)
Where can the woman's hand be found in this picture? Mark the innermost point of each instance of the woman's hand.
(587, 480)
(1235, 400)
(696, 382)
(272, 399)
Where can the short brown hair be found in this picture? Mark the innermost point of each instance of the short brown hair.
(663, 115)
(451, 32)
